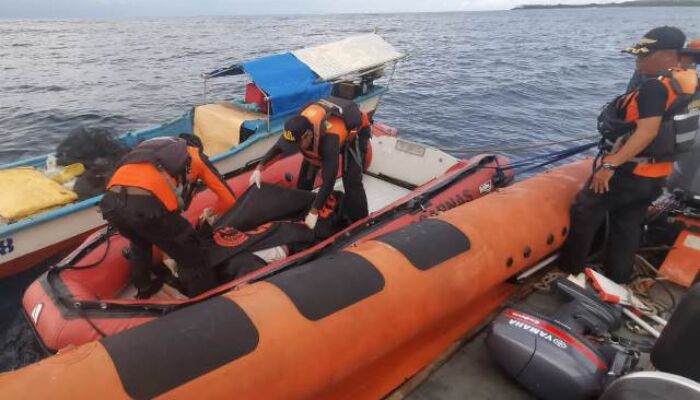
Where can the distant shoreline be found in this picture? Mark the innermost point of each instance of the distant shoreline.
(638, 3)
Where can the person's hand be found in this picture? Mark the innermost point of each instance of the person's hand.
(601, 180)
(208, 215)
(255, 178)
(170, 264)
(311, 218)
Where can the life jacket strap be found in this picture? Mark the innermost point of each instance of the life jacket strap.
(177, 191)
(676, 86)
(353, 148)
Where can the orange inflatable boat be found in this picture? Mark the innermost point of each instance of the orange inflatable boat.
(353, 323)
(88, 296)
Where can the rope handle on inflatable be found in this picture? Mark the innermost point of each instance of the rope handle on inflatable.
(69, 263)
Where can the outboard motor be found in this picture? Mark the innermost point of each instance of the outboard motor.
(551, 356)
(685, 179)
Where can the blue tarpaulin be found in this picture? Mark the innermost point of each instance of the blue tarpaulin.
(288, 82)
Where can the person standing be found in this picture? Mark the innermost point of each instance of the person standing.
(641, 141)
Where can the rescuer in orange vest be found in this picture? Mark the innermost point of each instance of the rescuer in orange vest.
(323, 132)
(153, 183)
(643, 131)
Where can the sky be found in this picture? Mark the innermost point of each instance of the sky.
(126, 8)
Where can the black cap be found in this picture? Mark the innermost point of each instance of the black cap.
(661, 38)
(295, 128)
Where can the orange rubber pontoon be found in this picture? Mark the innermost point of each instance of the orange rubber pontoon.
(89, 297)
(352, 324)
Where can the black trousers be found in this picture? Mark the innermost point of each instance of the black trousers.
(626, 203)
(146, 222)
(355, 199)
(353, 158)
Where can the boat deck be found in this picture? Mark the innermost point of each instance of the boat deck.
(380, 193)
(471, 373)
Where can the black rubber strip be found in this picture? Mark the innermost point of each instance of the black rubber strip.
(329, 284)
(161, 355)
(428, 243)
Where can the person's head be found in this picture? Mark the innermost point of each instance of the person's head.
(192, 140)
(690, 55)
(298, 131)
(658, 50)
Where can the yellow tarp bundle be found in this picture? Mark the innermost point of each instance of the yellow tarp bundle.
(219, 126)
(26, 191)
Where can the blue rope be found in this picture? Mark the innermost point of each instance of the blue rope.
(537, 161)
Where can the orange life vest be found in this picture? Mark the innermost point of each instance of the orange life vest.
(676, 133)
(327, 120)
(167, 184)
(681, 85)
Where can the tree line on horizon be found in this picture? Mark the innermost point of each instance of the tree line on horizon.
(634, 3)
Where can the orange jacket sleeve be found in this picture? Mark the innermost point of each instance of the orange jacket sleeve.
(366, 121)
(201, 168)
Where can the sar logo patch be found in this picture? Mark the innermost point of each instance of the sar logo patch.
(229, 237)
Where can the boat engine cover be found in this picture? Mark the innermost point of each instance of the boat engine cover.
(546, 357)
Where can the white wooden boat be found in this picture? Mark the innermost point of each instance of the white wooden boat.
(236, 133)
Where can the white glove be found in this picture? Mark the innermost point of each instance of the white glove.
(311, 220)
(170, 264)
(208, 215)
(255, 178)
